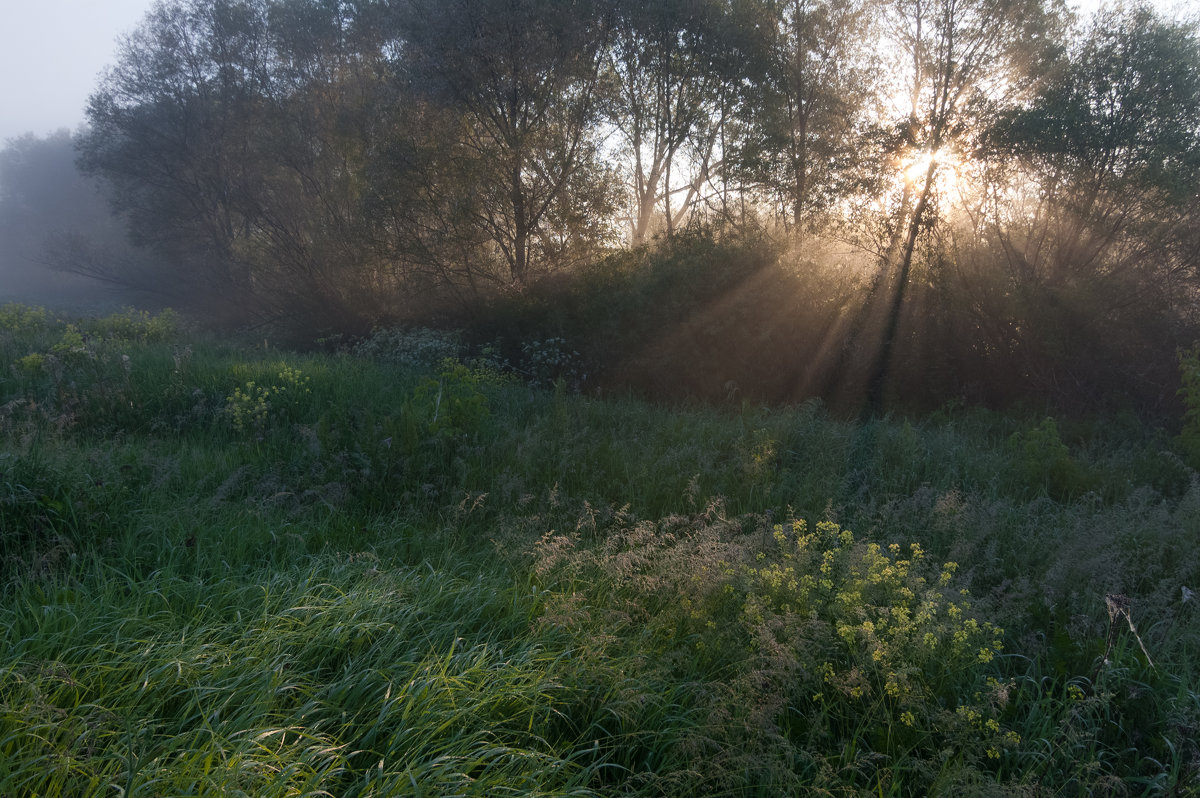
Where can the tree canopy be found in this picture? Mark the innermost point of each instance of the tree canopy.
(341, 164)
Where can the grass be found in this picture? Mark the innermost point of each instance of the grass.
(234, 570)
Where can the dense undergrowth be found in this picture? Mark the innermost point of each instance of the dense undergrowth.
(231, 570)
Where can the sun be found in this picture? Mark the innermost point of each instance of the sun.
(948, 176)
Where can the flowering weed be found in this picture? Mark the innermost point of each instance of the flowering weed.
(253, 406)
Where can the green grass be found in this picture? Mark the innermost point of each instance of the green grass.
(362, 578)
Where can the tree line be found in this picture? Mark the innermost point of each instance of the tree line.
(991, 179)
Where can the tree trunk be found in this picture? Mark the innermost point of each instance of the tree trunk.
(520, 253)
(881, 367)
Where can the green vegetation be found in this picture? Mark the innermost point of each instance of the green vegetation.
(232, 570)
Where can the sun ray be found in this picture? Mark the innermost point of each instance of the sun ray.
(948, 175)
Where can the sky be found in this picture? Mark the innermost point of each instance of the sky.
(51, 56)
(53, 51)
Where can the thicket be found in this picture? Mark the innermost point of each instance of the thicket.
(237, 569)
(997, 209)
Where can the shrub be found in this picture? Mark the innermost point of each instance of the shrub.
(71, 346)
(551, 360)
(1189, 372)
(135, 325)
(32, 364)
(18, 318)
(813, 640)
(1043, 463)
(452, 403)
(420, 347)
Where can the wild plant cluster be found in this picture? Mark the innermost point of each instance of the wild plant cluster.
(251, 406)
(422, 347)
(399, 578)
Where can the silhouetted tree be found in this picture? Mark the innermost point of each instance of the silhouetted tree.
(524, 76)
(957, 55)
(174, 127)
(806, 114)
(673, 68)
(1104, 253)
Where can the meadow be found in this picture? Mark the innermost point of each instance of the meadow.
(404, 568)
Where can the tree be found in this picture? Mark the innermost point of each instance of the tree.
(1105, 252)
(172, 128)
(805, 114)
(236, 135)
(960, 56)
(524, 76)
(672, 69)
(43, 200)
(1114, 130)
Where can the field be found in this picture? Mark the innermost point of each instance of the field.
(233, 570)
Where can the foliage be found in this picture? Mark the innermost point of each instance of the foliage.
(525, 78)
(253, 407)
(420, 347)
(973, 195)
(804, 111)
(657, 320)
(1074, 290)
(132, 325)
(1043, 463)
(822, 643)
(673, 71)
(1189, 436)
(452, 403)
(19, 318)
(551, 361)
(1117, 114)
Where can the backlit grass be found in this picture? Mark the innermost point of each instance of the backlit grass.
(234, 570)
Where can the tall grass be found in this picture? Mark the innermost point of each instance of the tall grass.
(235, 570)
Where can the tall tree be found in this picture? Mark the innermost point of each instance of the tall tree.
(524, 76)
(805, 113)
(172, 129)
(235, 135)
(1105, 252)
(672, 67)
(957, 56)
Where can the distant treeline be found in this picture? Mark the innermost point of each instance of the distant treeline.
(885, 201)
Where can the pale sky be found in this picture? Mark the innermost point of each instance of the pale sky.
(52, 53)
(51, 56)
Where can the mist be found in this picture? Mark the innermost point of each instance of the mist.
(46, 207)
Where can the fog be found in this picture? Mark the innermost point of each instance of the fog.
(45, 203)
(51, 54)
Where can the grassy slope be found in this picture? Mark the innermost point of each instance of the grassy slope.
(229, 570)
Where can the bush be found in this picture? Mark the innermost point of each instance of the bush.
(1043, 463)
(17, 318)
(1189, 372)
(135, 325)
(420, 347)
(549, 361)
(818, 644)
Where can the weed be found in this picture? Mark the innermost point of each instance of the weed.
(252, 407)
(23, 319)
(421, 347)
(1189, 371)
(551, 361)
